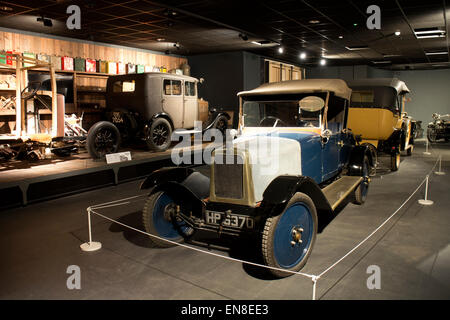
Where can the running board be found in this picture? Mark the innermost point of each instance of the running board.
(340, 189)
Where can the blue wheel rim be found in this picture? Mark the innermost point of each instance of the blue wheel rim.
(164, 227)
(287, 255)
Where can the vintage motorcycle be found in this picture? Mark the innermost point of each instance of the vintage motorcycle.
(439, 128)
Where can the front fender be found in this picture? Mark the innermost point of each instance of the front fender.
(213, 118)
(281, 189)
(157, 177)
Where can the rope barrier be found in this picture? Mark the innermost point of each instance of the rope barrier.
(314, 278)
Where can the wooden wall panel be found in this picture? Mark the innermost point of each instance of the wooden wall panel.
(28, 43)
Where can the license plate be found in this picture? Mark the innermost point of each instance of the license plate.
(230, 220)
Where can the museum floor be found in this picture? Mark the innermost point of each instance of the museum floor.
(40, 241)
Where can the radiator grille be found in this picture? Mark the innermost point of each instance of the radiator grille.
(228, 179)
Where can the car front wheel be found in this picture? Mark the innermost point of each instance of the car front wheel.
(103, 138)
(159, 217)
(288, 238)
(363, 188)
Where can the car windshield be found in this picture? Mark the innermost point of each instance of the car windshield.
(304, 112)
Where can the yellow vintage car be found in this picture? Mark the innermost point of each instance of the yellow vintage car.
(377, 113)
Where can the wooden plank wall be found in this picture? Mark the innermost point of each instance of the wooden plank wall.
(41, 45)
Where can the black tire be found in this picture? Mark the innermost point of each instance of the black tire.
(409, 150)
(102, 138)
(361, 191)
(158, 136)
(150, 215)
(271, 235)
(221, 124)
(395, 161)
(431, 135)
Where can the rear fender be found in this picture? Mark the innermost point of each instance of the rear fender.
(356, 162)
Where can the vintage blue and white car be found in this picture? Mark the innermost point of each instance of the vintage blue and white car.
(292, 163)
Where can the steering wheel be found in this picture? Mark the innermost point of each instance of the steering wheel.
(26, 95)
(275, 119)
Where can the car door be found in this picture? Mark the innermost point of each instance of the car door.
(190, 104)
(331, 159)
(172, 101)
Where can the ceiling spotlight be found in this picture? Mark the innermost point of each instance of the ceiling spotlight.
(46, 21)
(397, 33)
(243, 36)
(314, 21)
(280, 50)
(5, 8)
(323, 62)
(341, 37)
(170, 13)
(302, 55)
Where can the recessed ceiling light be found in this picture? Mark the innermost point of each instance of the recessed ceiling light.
(397, 33)
(425, 33)
(355, 48)
(381, 62)
(280, 50)
(160, 39)
(303, 55)
(323, 62)
(433, 53)
(314, 21)
(341, 37)
(5, 8)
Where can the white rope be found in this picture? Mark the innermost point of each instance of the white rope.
(110, 202)
(203, 251)
(379, 227)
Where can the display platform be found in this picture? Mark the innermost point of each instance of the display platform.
(22, 182)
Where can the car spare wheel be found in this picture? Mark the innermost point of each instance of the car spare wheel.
(361, 191)
(395, 161)
(159, 217)
(288, 238)
(103, 138)
(158, 135)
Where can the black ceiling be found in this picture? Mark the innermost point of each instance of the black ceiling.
(214, 26)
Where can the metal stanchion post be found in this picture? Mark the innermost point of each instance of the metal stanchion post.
(314, 280)
(426, 149)
(425, 201)
(440, 172)
(91, 245)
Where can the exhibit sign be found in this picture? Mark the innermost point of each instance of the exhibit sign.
(118, 157)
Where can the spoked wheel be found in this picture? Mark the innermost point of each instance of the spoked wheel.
(288, 238)
(160, 219)
(395, 161)
(432, 136)
(103, 138)
(159, 135)
(361, 191)
(221, 124)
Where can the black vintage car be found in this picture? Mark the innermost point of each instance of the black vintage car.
(439, 128)
(148, 106)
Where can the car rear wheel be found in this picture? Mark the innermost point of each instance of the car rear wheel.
(361, 191)
(395, 161)
(159, 135)
(288, 238)
(103, 138)
(159, 219)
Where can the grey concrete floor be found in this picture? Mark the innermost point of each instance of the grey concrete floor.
(412, 250)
